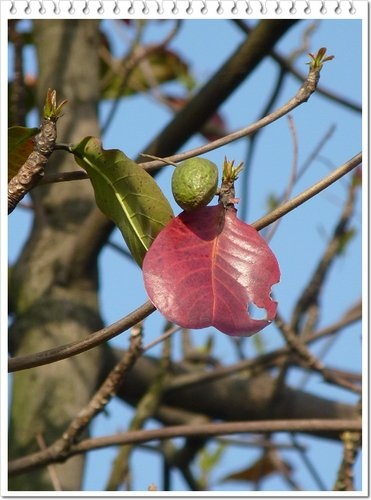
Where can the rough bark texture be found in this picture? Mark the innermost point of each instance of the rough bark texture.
(51, 305)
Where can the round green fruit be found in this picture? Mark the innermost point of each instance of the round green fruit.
(194, 183)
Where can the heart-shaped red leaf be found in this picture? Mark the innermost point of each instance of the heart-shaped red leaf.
(207, 267)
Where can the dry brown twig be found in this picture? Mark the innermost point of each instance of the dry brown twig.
(145, 409)
(302, 95)
(312, 289)
(51, 468)
(51, 455)
(286, 64)
(101, 398)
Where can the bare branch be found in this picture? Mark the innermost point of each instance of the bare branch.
(51, 455)
(137, 55)
(90, 341)
(286, 65)
(293, 175)
(111, 331)
(308, 193)
(312, 289)
(104, 394)
(302, 95)
(296, 343)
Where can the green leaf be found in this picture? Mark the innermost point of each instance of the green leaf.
(52, 110)
(125, 193)
(20, 146)
(210, 458)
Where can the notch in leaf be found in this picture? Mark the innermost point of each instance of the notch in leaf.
(205, 269)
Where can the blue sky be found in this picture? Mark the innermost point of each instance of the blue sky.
(299, 241)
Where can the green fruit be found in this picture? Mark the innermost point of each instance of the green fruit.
(194, 183)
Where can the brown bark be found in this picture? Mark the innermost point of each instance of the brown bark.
(47, 310)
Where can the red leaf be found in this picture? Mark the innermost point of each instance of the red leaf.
(206, 267)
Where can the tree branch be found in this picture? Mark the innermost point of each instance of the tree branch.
(312, 289)
(30, 173)
(287, 66)
(191, 118)
(302, 95)
(90, 341)
(142, 312)
(48, 456)
(308, 193)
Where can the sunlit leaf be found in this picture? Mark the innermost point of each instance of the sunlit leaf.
(208, 268)
(125, 193)
(20, 146)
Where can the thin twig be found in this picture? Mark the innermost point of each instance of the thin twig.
(315, 152)
(137, 56)
(51, 467)
(90, 341)
(102, 397)
(298, 346)
(111, 331)
(45, 457)
(308, 193)
(309, 297)
(245, 177)
(302, 95)
(169, 332)
(353, 314)
(286, 64)
(293, 175)
(304, 455)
